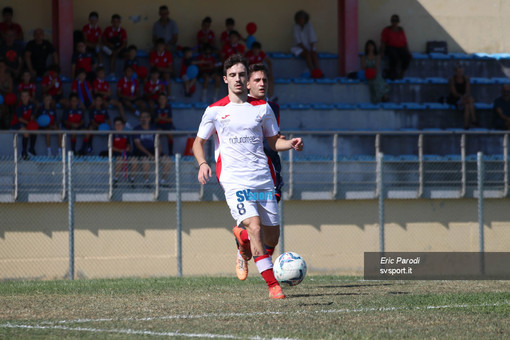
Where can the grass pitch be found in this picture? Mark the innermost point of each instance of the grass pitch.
(322, 307)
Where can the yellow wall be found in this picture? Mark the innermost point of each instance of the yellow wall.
(139, 239)
(31, 14)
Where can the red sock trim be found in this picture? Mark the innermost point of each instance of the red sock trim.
(268, 276)
(269, 250)
(261, 257)
(244, 236)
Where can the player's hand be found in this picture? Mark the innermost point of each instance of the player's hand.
(204, 173)
(297, 144)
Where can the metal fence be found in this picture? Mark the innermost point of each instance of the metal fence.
(102, 211)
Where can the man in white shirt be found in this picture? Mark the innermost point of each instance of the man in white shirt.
(239, 124)
(305, 39)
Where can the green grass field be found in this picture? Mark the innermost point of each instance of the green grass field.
(322, 307)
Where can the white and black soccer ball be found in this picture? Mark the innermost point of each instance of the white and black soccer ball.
(289, 268)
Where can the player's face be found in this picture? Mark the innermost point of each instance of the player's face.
(236, 79)
(257, 85)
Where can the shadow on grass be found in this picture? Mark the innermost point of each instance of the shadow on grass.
(357, 286)
(324, 294)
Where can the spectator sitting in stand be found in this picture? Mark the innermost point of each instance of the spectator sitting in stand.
(163, 120)
(48, 109)
(166, 29)
(163, 61)
(128, 92)
(82, 88)
(52, 84)
(305, 39)
(92, 35)
(256, 56)
(37, 52)
(27, 84)
(132, 59)
(83, 59)
(187, 60)
(208, 69)
(98, 115)
(145, 151)
(501, 117)
(206, 36)
(74, 119)
(114, 41)
(232, 47)
(153, 88)
(460, 96)
(25, 113)
(121, 148)
(101, 87)
(11, 52)
(230, 25)
(6, 83)
(7, 24)
(371, 61)
(394, 45)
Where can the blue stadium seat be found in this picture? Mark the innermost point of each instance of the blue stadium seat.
(436, 80)
(413, 106)
(437, 106)
(479, 129)
(111, 78)
(439, 56)
(483, 106)
(460, 56)
(299, 106)
(433, 158)
(417, 56)
(200, 105)
(320, 106)
(363, 158)
(389, 158)
(326, 81)
(454, 157)
(501, 80)
(142, 54)
(432, 130)
(343, 80)
(327, 56)
(500, 56)
(278, 55)
(455, 130)
(303, 80)
(395, 81)
(391, 106)
(344, 106)
(368, 106)
(66, 79)
(495, 157)
(481, 56)
(409, 158)
(179, 106)
(284, 106)
(471, 157)
(408, 130)
(282, 81)
(481, 80)
(414, 80)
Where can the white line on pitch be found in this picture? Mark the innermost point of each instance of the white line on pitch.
(130, 332)
(224, 315)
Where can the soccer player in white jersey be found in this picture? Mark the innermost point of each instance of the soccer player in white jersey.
(258, 88)
(239, 124)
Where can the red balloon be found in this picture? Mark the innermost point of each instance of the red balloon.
(251, 28)
(32, 125)
(317, 73)
(370, 73)
(142, 71)
(10, 99)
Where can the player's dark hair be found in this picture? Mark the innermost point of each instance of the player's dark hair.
(230, 22)
(93, 14)
(301, 14)
(234, 33)
(7, 10)
(232, 60)
(207, 20)
(118, 119)
(160, 41)
(255, 68)
(115, 16)
(256, 45)
(132, 47)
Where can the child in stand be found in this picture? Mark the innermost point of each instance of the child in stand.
(163, 120)
(52, 84)
(163, 61)
(114, 41)
(74, 119)
(131, 59)
(121, 150)
(187, 60)
(26, 84)
(83, 59)
(208, 69)
(82, 88)
(128, 92)
(98, 115)
(50, 111)
(101, 87)
(25, 113)
(153, 88)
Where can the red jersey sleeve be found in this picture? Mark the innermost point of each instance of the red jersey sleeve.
(123, 35)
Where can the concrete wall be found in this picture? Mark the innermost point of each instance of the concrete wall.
(139, 239)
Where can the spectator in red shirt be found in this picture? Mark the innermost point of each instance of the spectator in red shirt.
(394, 45)
(101, 87)
(74, 119)
(26, 84)
(92, 35)
(52, 84)
(83, 59)
(232, 47)
(206, 35)
(25, 113)
(256, 56)
(128, 92)
(7, 24)
(82, 88)
(114, 41)
(163, 61)
(153, 88)
(6, 83)
(207, 70)
(225, 35)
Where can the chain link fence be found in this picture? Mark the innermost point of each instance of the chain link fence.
(116, 216)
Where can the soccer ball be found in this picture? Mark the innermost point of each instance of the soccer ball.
(289, 268)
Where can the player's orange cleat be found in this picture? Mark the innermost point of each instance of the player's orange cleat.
(241, 269)
(244, 247)
(276, 292)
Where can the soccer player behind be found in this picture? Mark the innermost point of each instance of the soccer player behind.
(258, 84)
(239, 125)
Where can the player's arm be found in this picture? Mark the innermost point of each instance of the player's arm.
(204, 171)
(280, 144)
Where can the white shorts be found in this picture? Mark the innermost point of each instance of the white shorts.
(246, 203)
